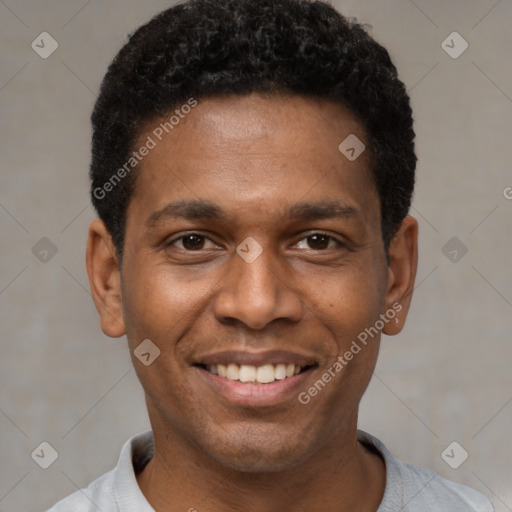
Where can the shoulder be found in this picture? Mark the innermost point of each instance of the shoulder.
(411, 488)
(116, 490)
(99, 495)
(425, 488)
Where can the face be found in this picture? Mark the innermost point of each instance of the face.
(253, 260)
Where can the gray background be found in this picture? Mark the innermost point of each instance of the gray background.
(445, 378)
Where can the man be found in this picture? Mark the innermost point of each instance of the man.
(253, 166)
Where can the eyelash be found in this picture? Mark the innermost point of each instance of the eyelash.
(340, 244)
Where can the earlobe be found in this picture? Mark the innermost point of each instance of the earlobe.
(105, 279)
(403, 263)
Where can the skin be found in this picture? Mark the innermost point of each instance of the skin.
(255, 157)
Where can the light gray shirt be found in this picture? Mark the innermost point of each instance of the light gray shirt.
(408, 488)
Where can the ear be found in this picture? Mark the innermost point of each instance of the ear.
(403, 263)
(105, 279)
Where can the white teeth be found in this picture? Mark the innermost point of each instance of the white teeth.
(221, 369)
(280, 372)
(233, 372)
(247, 373)
(264, 374)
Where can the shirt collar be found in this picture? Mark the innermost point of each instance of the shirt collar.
(394, 491)
(138, 450)
(135, 452)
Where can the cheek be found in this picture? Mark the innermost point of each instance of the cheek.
(163, 305)
(155, 310)
(143, 308)
(350, 307)
(348, 302)
(152, 300)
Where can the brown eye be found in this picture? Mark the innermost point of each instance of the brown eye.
(318, 242)
(192, 242)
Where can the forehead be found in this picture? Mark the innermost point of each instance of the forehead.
(255, 152)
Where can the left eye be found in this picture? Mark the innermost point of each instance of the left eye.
(318, 242)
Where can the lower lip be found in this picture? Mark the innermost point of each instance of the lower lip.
(256, 395)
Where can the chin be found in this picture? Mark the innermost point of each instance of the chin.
(258, 451)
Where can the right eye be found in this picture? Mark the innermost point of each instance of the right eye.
(191, 242)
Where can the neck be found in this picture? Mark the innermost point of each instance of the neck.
(345, 476)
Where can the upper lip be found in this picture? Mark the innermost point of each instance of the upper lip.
(256, 358)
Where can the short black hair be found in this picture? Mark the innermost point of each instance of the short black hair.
(206, 48)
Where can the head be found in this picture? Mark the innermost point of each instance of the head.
(234, 225)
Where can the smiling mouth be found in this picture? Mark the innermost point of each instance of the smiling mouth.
(250, 374)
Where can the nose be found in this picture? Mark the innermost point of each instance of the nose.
(257, 293)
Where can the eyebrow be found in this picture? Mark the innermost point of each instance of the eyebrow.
(201, 209)
(193, 210)
(321, 210)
